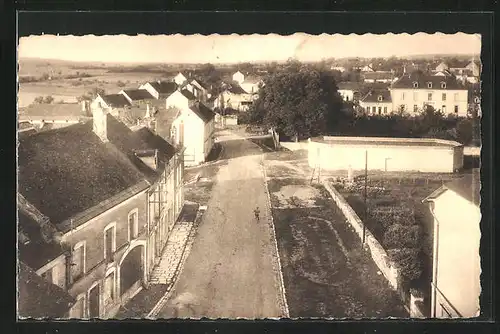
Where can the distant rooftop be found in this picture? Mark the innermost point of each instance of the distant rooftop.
(53, 111)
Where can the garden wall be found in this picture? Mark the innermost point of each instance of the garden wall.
(292, 146)
(378, 253)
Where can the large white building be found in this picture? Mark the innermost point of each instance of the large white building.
(414, 91)
(427, 155)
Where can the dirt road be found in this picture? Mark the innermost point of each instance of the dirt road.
(229, 272)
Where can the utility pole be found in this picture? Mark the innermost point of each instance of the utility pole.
(366, 210)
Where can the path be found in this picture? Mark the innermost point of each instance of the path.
(229, 272)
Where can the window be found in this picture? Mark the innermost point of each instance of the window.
(429, 85)
(402, 96)
(133, 224)
(47, 275)
(379, 110)
(456, 110)
(443, 96)
(443, 85)
(385, 110)
(78, 261)
(415, 84)
(374, 110)
(443, 109)
(455, 96)
(380, 97)
(415, 96)
(109, 288)
(368, 109)
(415, 108)
(109, 242)
(429, 96)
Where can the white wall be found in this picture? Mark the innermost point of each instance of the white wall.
(180, 79)
(385, 108)
(194, 137)
(437, 159)
(150, 89)
(238, 77)
(458, 260)
(176, 99)
(419, 97)
(347, 94)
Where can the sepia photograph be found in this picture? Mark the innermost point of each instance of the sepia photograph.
(331, 176)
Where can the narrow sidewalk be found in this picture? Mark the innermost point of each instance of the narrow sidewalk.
(166, 273)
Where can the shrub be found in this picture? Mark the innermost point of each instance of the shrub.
(400, 236)
(120, 83)
(38, 100)
(408, 262)
(48, 99)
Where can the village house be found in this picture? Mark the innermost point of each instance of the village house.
(367, 68)
(349, 90)
(193, 129)
(455, 282)
(109, 205)
(38, 298)
(114, 103)
(137, 96)
(377, 102)
(414, 91)
(249, 83)
(52, 116)
(341, 69)
(181, 99)
(378, 76)
(160, 89)
(239, 77)
(181, 78)
(464, 70)
(234, 97)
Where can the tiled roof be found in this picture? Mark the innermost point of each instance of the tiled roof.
(407, 80)
(203, 112)
(349, 85)
(115, 100)
(378, 75)
(201, 83)
(188, 94)
(164, 87)
(75, 167)
(138, 94)
(39, 298)
(375, 95)
(35, 252)
(467, 187)
(56, 111)
(234, 88)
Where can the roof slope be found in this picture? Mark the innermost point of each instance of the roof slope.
(32, 248)
(203, 112)
(349, 85)
(51, 111)
(188, 94)
(78, 174)
(378, 75)
(407, 80)
(468, 187)
(38, 298)
(235, 88)
(115, 100)
(138, 94)
(374, 95)
(164, 87)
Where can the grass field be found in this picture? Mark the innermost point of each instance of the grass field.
(327, 273)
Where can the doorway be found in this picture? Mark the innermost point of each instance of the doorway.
(94, 302)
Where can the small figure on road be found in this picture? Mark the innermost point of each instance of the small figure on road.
(257, 213)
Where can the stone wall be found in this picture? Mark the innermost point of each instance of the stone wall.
(378, 253)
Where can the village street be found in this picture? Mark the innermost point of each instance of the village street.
(231, 270)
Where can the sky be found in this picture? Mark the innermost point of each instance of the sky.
(246, 48)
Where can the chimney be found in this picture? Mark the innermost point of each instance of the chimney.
(147, 111)
(100, 123)
(84, 105)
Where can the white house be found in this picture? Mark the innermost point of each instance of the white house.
(234, 97)
(455, 282)
(378, 76)
(181, 99)
(367, 68)
(341, 69)
(441, 67)
(377, 102)
(414, 91)
(251, 85)
(349, 90)
(238, 77)
(181, 78)
(113, 103)
(160, 89)
(193, 128)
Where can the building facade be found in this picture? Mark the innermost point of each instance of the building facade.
(413, 92)
(385, 154)
(455, 285)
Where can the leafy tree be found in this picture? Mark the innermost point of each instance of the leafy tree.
(92, 94)
(401, 236)
(408, 262)
(298, 101)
